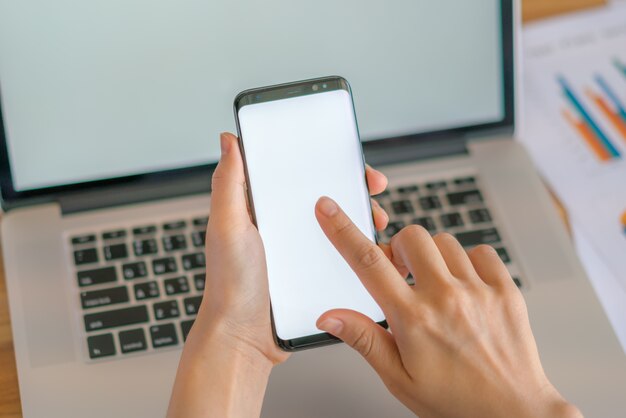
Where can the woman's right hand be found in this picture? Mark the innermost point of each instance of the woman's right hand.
(460, 342)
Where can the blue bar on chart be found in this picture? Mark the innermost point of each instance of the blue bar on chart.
(593, 131)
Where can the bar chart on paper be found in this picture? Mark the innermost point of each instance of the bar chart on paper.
(575, 122)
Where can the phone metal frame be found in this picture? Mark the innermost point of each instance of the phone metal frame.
(282, 92)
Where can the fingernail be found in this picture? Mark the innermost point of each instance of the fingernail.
(224, 143)
(331, 326)
(327, 206)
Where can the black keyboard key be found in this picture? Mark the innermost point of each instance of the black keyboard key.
(408, 189)
(479, 216)
(143, 230)
(120, 233)
(451, 220)
(465, 198)
(164, 265)
(146, 290)
(483, 236)
(174, 243)
(145, 247)
(433, 186)
(202, 221)
(517, 282)
(185, 327)
(176, 285)
(171, 226)
(198, 281)
(430, 202)
(83, 239)
(198, 238)
(134, 270)
(402, 207)
(86, 256)
(97, 276)
(115, 252)
(117, 318)
(163, 335)
(194, 261)
(504, 255)
(465, 181)
(192, 305)
(101, 345)
(427, 222)
(166, 310)
(133, 340)
(393, 228)
(95, 298)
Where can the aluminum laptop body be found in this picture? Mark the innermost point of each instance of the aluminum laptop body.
(58, 378)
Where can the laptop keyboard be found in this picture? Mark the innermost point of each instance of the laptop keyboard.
(455, 205)
(140, 287)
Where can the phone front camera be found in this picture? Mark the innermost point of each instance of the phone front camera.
(315, 87)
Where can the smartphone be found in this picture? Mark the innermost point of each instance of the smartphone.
(300, 142)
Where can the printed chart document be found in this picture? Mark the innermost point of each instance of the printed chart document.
(575, 123)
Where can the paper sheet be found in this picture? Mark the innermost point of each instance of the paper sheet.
(575, 122)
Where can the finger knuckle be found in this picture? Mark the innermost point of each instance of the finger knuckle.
(368, 256)
(363, 343)
(482, 250)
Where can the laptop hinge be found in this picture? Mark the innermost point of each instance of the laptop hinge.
(119, 195)
(406, 151)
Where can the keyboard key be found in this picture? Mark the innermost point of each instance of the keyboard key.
(198, 281)
(504, 255)
(185, 327)
(517, 282)
(166, 310)
(83, 239)
(483, 236)
(145, 247)
(198, 238)
(163, 335)
(146, 290)
(176, 285)
(174, 243)
(120, 233)
(95, 298)
(97, 276)
(451, 220)
(202, 221)
(465, 181)
(194, 261)
(393, 228)
(117, 318)
(101, 345)
(134, 270)
(401, 207)
(192, 305)
(133, 340)
(478, 216)
(427, 222)
(164, 265)
(408, 189)
(171, 226)
(433, 186)
(86, 256)
(465, 198)
(430, 202)
(143, 230)
(115, 252)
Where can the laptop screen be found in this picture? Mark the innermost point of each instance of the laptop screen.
(103, 89)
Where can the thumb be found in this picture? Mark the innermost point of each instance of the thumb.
(369, 339)
(228, 186)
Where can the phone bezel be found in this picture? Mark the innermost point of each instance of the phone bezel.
(282, 92)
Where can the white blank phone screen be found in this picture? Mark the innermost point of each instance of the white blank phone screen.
(297, 150)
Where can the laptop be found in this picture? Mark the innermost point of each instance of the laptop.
(110, 120)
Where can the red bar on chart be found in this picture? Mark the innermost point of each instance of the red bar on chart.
(616, 119)
(588, 136)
